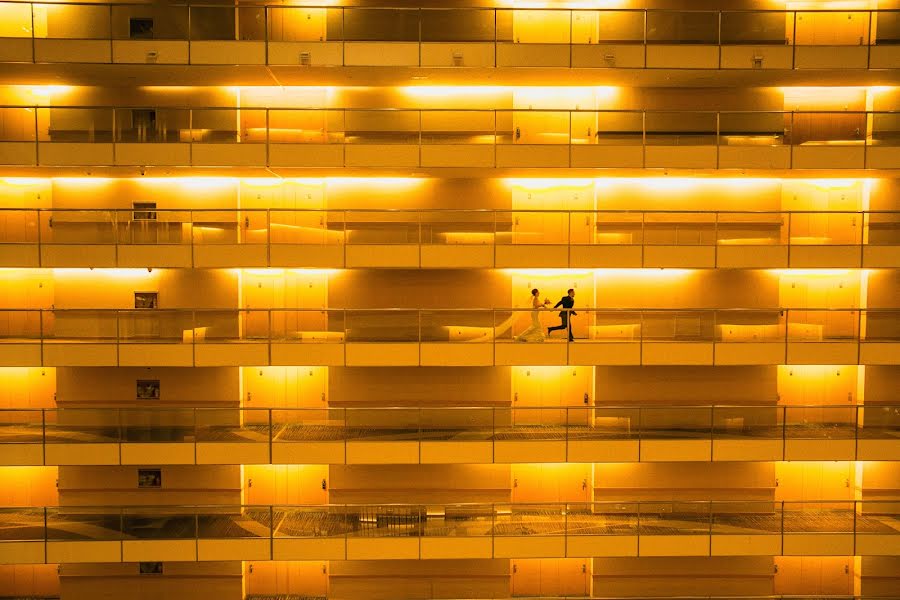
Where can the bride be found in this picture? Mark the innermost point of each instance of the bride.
(535, 333)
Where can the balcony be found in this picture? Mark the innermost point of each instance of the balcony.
(329, 138)
(384, 532)
(309, 36)
(423, 238)
(459, 435)
(445, 337)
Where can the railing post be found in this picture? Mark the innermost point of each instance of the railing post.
(46, 536)
(266, 38)
(782, 528)
(44, 436)
(33, 43)
(638, 525)
(196, 431)
(118, 334)
(794, 43)
(783, 432)
(646, 17)
(37, 138)
(190, 54)
(869, 39)
(789, 227)
(111, 57)
(719, 37)
(718, 125)
(793, 137)
(787, 339)
(644, 137)
(495, 65)
(191, 151)
(269, 241)
(493, 433)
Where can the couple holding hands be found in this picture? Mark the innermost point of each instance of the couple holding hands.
(535, 332)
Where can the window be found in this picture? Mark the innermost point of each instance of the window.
(150, 568)
(143, 211)
(149, 478)
(140, 28)
(148, 389)
(146, 300)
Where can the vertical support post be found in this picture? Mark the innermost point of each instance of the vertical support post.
(794, 43)
(266, 39)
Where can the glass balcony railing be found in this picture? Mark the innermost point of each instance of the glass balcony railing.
(279, 237)
(427, 36)
(605, 597)
(746, 336)
(332, 137)
(508, 528)
(571, 425)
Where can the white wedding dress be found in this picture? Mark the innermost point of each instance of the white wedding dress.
(535, 333)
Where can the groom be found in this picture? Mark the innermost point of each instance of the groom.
(565, 315)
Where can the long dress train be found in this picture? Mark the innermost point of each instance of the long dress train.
(535, 333)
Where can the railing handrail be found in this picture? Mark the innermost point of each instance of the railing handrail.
(265, 4)
(153, 311)
(455, 504)
(237, 209)
(436, 110)
(156, 409)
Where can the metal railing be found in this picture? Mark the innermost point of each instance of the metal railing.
(165, 424)
(423, 29)
(324, 137)
(307, 597)
(267, 228)
(423, 336)
(463, 326)
(567, 522)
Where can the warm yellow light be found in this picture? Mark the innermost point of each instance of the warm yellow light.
(325, 272)
(109, 273)
(380, 182)
(548, 272)
(814, 272)
(441, 91)
(297, 271)
(206, 183)
(551, 4)
(824, 98)
(46, 91)
(671, 184)
(264, 272)
(548, 184)
(83, 181)
(834, 184)
(263, 182)
(830, 5)
(644, 274)
(306, 181)
(24, 180)
(540, 372)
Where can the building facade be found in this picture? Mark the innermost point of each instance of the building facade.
(267, 320)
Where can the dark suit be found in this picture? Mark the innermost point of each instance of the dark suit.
(565, 316)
